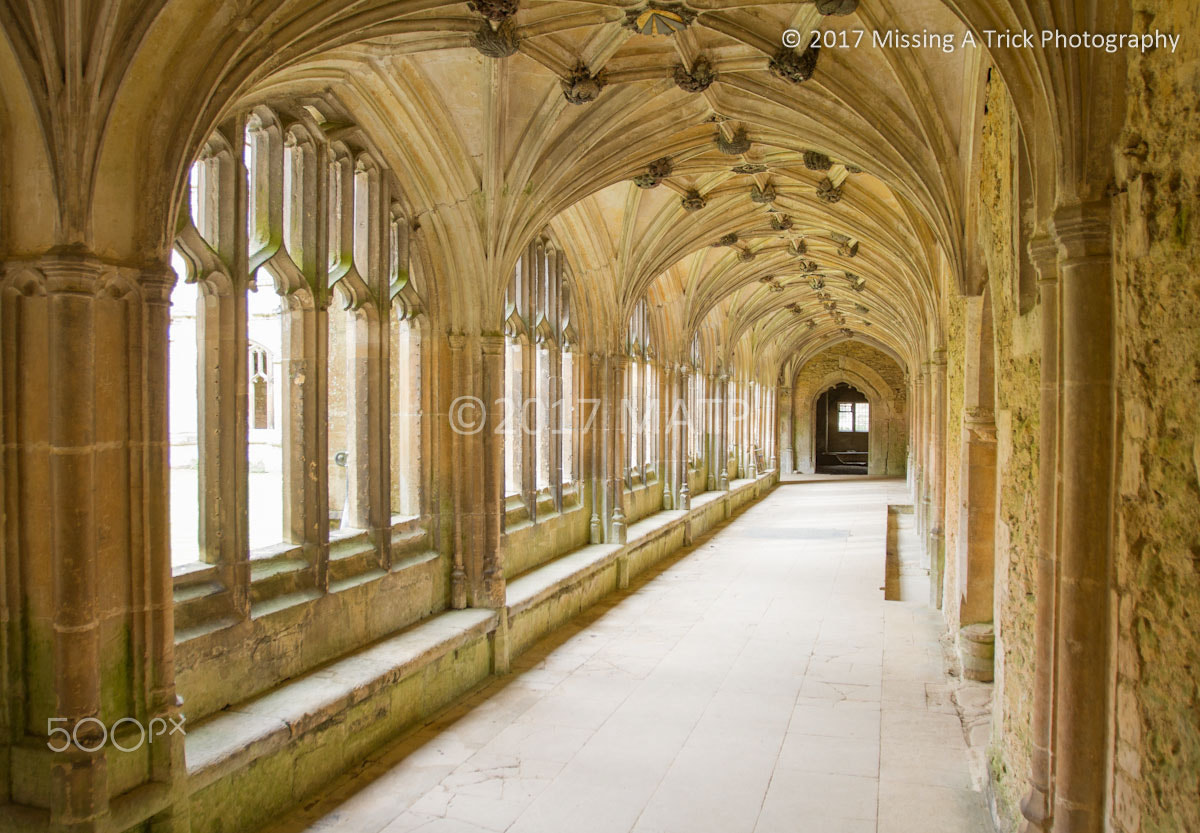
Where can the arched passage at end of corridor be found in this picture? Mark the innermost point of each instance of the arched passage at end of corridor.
(842, 419)
(879, 382)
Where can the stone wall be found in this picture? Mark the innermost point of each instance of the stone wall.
(1016, 391)
(1157, 553)
(862, 366)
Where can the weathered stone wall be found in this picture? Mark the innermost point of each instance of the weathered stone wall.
(855, 363)
(1157, 554)
(955, 359)
(1016, 391)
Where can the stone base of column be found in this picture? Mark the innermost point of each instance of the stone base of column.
(618, 527)
(977, 650)
(458, 586)
(935, 546)
(499, 640)
(1035, 807)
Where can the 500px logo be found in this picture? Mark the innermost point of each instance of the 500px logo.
(91, 741)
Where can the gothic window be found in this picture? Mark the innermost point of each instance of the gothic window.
(535, 438)
(183, 401)
(695, 417)
(640, 406)
(854, 417)
(261, 376)
(267, 488)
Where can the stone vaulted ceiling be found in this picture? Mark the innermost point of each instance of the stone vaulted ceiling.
(678, 150)
(816, 216)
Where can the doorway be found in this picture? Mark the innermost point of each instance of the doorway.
(843, 430)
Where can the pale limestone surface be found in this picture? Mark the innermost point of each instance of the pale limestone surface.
(758, 683)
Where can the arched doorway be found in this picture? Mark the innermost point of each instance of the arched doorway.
(843, 423)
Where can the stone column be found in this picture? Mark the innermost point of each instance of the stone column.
(460, 369)
(614, 440)
(84, 368)
(784, 421)
(920, 496)
(1037, 804)
(977, 512)
(592, 444)
(1085, 555)
(936, 542)
(684, 492)
(492, 391)
(670, 402)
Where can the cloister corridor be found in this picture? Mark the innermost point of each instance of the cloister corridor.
(756, 682)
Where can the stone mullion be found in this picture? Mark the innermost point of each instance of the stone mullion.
(1038, 802)
(234, 419)
(525, 421)
(218, 437)
(381, 379)
(315, 430)
(1083, 684)
(670, 438)
(362, 472)
(300, 508)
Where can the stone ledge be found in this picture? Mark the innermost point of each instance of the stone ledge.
(252, 760)
(545, 597)
(234, 739)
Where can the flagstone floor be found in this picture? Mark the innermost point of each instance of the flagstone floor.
(758, 683)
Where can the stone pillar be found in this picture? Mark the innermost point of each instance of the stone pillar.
(84, 365)
(682, 416)
(784, 421)
(936, 540)
(977, 517)
(1037, 804)
(1088, 442)
(670, 402)
(492, 391)
(921, 496)
(592, 444)
(460, 369)
(614, 411)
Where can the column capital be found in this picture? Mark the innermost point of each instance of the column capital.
(1043, 251)
(1084, 231)
(76, 271)
(491, 344)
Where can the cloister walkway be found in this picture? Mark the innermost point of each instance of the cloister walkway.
(758, 682)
